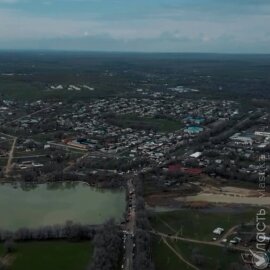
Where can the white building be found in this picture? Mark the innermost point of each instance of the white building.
(218, 231)
(238, 139)
(262, 133)
(196, 155)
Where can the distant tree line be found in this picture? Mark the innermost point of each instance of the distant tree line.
(233, 172)
(69, 231)
(119, 164)
(101, 179)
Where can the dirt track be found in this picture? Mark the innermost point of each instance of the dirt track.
(10, 156)
(179, 255)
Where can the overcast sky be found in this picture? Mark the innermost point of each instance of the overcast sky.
(238, 26)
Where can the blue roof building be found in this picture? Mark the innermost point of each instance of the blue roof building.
(193, 130)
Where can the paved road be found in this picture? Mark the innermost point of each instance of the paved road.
(130, 228)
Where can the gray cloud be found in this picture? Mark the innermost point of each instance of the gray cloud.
(218, 26)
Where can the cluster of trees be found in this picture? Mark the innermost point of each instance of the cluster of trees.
(233, 172)
(55, 164)
(143, 258)
(120, 164)
(102, 179)
(59, 156)
(159, 180)
(105, 180)
(108, 247)
(239, 126)
(69, 231)
(215, 130)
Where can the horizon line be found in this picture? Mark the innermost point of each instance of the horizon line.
(129, 52)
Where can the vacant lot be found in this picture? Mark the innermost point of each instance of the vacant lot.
(229, 195)
(146, 123)
(198, 224)
(53, 255)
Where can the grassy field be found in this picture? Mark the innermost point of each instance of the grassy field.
(1, 250)
(3, 162)
(53, 255)
(199, 224)
(164, 258)
(213, 257)
(136, 122)
(19, 90)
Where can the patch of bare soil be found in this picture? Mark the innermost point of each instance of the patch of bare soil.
(228, 195)
(7, 260)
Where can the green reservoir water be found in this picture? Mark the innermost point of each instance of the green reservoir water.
(50, 204)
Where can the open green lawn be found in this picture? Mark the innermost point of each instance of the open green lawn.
(199, 224)
(53, 255)
(213, 257)
(136, 122)
(1, 250)
(164, 258)
(3, 161)
(21, 90)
